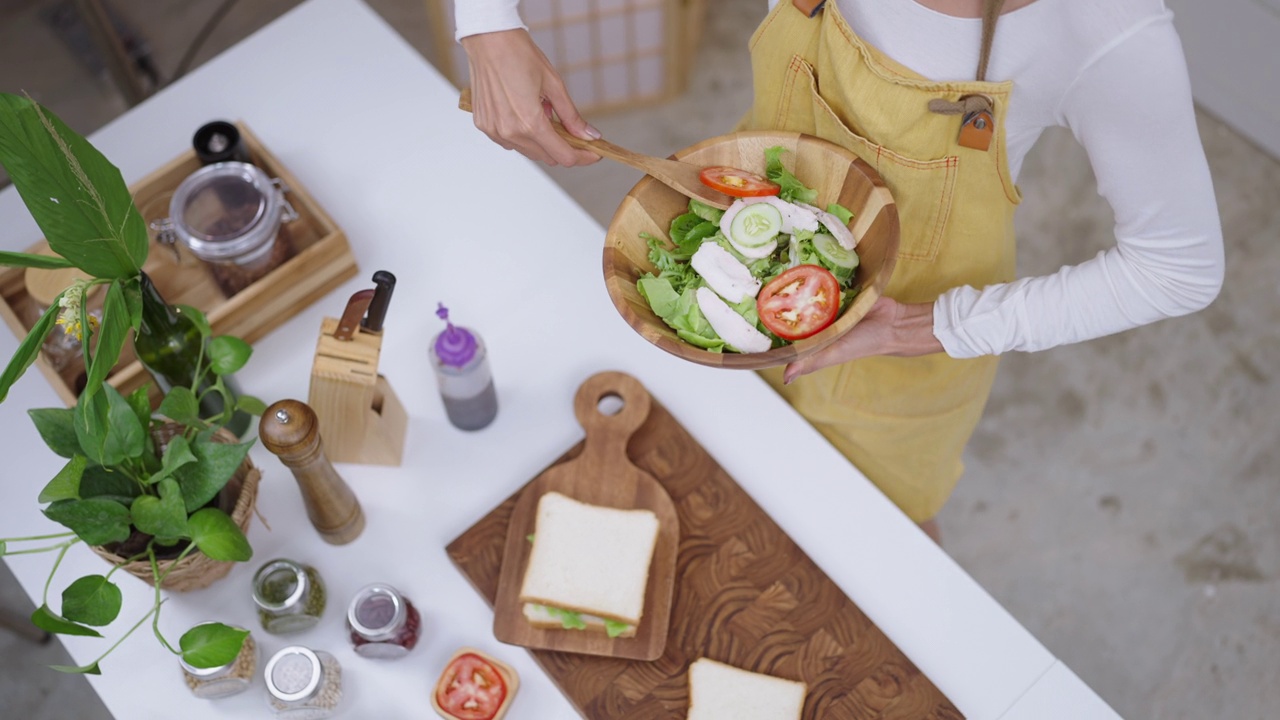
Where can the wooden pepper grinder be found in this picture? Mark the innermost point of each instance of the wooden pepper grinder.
(290, 430)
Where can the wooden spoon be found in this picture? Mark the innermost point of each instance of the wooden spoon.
(679, 176)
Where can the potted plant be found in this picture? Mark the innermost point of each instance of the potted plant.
(154, 492)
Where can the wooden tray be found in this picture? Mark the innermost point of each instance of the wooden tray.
(322, 261)
(601, 475)
(745, 595)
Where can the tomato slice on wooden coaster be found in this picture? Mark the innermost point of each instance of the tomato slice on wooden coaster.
(472, 687)
(738, 183)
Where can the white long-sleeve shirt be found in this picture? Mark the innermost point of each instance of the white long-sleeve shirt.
(1113, 72)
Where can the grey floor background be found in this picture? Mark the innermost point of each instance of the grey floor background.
(1122, 495)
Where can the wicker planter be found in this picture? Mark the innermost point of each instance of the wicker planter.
(196, 571)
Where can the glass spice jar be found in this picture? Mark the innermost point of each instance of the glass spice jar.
(303, 684)
(226, 680)
(383, 623)
(234, 217)
(290, 596)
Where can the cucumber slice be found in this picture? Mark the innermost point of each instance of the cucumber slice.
(755, 225)
(833, 252)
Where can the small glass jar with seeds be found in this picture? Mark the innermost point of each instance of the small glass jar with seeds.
(383, 623)
(303, 684)
(226, 680)
(290, 596)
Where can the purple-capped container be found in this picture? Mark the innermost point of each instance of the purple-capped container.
(462, 371)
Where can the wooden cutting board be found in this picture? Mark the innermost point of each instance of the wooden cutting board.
(601, 474)
(745, 595)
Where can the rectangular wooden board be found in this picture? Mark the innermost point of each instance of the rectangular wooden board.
(745, 595)
(322, 260)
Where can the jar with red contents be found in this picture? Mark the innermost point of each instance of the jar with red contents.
(383, 623)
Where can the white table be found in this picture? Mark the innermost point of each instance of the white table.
(371, 130)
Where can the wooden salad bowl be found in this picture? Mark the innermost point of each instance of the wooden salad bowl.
(836, 173)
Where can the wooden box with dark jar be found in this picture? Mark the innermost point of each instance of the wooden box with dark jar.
(318, 260)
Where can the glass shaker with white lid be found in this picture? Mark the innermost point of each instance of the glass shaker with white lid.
(234, 217)
(303, 684)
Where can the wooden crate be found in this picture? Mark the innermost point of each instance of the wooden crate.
(322, 260)
(612, 54)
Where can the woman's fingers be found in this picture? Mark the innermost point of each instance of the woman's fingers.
(513, 86)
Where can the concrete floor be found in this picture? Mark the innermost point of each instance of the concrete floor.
(1121, 496)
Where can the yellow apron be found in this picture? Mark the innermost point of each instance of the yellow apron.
(904, 422)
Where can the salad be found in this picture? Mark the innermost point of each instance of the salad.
(770, 270)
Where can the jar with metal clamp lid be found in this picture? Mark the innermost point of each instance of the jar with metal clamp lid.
(226, 680)
(303, 684)
(235, 218)
(383, 623)
(290, 596)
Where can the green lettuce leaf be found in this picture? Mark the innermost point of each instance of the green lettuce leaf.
(706, 212)
(841, 212)
(792, 189)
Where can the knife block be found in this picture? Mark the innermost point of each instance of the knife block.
(361, 419)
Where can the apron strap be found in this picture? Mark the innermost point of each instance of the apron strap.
(977, 128)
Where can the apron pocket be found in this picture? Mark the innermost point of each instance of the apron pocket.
(922, 189)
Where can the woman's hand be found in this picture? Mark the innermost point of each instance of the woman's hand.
(889, 328)
(514, 90)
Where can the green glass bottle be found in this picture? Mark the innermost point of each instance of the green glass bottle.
(169, 345)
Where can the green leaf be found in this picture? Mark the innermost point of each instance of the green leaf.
(77, 197)
(66, 484)
(215, 464)
(706, 212)
(31, 344)
(197, 317)
(108, 428)
(162, 516)
(176, 454)
(111, 337)
(131, 290)
(211, 645)
(614, 628)
(57, 427)
(90, 669)
(95, 520)
(251, 405)
(840, 212)
(49, 621)
(228, 354)
(180, 405)
(792, 189)
(32, 260)
(140, 401)
(107, 484)
(92, 600)
(218, 536)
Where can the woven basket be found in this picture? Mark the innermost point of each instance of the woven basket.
(196, 571)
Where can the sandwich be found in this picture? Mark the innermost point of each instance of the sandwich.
(723, 692)
(589, 566)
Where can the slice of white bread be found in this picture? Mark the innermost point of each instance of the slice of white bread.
(590, 559)
(723, 692)
(541, 616)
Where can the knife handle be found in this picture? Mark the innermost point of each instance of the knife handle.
(356, 306)
(385, 284)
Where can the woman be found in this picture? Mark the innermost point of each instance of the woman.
(894, 81)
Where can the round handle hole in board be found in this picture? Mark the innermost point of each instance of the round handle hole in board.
(610, 404)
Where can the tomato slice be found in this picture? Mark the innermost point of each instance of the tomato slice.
(738, 183)
(800, 302)
(471, 688)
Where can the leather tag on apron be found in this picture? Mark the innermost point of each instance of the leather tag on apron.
(976, 130)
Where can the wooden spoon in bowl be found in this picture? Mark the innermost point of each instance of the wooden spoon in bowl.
(679, 176)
